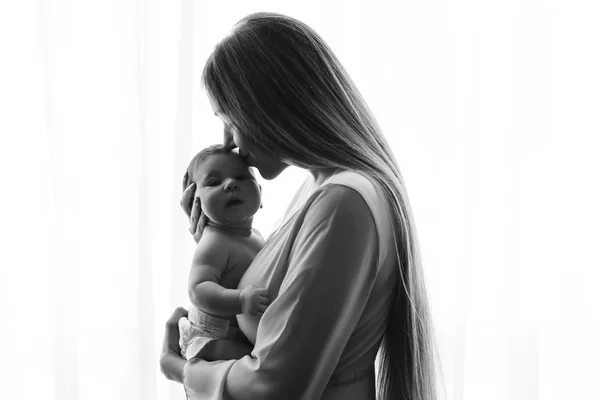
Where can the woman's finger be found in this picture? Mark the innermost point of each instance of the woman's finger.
(264, 300)
(187, 199)
(195, 213)
(198, 232)
(184, 184)
(200, 227)
(262, 308)
(177, 314)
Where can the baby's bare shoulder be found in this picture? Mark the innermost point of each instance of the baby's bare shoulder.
(214, 248)
(226, 243)
(215, 238)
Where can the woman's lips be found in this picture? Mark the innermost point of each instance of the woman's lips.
(247, 160)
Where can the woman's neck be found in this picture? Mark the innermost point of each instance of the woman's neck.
(321, 174)
(243, 230)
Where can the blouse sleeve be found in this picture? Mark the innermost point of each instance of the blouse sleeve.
(301, 336)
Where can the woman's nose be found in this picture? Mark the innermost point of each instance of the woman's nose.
(228, 142)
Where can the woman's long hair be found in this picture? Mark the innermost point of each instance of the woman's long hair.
(286, 92)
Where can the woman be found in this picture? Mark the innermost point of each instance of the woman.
(343, 271)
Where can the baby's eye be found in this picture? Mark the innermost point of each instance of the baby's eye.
(213, 183)
(242, 177)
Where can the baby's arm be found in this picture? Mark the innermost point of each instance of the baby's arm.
(209, 262)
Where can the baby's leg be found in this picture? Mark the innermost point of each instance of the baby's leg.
(224, 349)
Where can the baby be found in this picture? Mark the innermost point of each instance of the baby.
(229, 197)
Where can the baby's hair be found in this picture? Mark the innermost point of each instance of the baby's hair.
(200, 157)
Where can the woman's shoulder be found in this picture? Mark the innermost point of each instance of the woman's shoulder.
(361, 192)
(353, 191)
(358, 181)
(367, 187)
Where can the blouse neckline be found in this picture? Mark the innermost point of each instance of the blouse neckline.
(300, 199)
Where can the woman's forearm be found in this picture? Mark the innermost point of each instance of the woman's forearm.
(171, 362)
(171, 366)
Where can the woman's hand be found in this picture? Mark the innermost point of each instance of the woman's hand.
(171, 362)
(191, 207)
(191, 204)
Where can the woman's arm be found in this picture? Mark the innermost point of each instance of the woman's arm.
(171, 363)
(301, 336)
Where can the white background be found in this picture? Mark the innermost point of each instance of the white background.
(492, 110)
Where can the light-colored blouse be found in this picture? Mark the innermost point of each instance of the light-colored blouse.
(330, 270)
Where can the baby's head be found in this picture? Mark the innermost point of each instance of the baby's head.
(228, 191)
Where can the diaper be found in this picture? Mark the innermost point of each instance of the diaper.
(199, 329)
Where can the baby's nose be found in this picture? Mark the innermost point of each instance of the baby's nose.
(231, 185)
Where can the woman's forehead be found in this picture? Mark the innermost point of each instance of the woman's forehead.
(217, 110)
(226, 120)
(219, 113)
(214, 105)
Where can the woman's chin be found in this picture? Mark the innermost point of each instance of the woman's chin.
(266, 175)
(270, 174)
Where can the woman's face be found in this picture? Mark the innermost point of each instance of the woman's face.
(268, 166)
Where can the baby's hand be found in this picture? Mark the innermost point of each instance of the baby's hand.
(254, 300)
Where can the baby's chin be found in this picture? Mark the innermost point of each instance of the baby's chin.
(243, 207)
(237, 219)
(237, 216)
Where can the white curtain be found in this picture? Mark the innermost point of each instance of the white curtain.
(491, 109)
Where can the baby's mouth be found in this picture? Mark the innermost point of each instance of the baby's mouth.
(234, 201)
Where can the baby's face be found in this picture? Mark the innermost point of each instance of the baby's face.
(227, 189)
